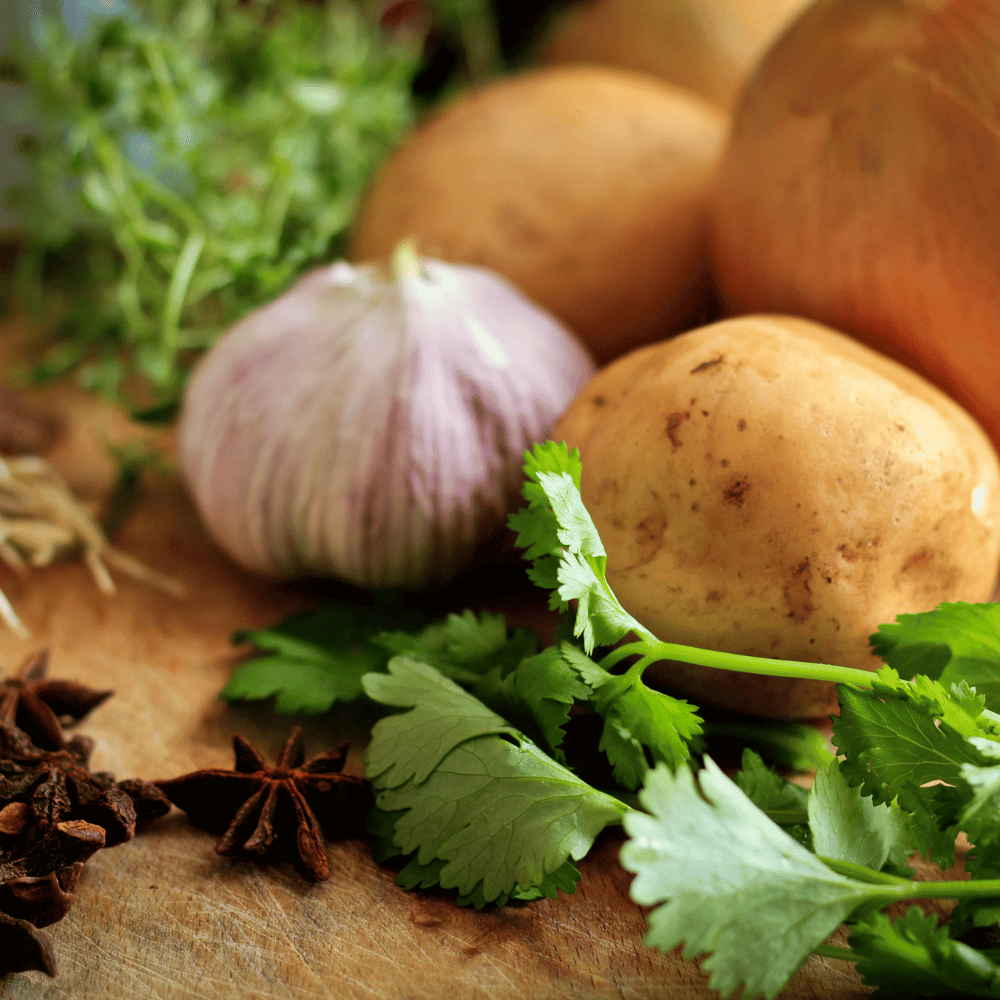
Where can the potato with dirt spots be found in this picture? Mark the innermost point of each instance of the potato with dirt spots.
(765, 485)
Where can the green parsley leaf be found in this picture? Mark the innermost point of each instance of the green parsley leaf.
(897, 739)
(493, 807)
(318, 657)
(793, 745)
(414, 875)
(954, 642)
(725, 875)
(536, 696)
(980, 817)
(412, 745)
(561, 538)
(847, 826)
(901, 736)
(638, 719)
(784, 802)
(465, 646)
(913, 957)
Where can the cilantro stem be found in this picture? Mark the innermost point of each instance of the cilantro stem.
(744, 664)
(863, 874)
(651, 652)
(832, 951)
(941, 889)
(966, 889)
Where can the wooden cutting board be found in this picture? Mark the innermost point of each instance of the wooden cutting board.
(164, 917)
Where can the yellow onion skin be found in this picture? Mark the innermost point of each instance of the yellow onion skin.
(707, 46)
(861, 186)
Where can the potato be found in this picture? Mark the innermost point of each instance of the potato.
(584, 187)
(765, 485)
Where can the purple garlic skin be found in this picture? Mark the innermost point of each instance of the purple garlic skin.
(373, 429)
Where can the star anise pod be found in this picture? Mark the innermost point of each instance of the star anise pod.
(37, 890)
(35, 705)
(262, 808)
(24, 948)
(58, 786)
(39, 886)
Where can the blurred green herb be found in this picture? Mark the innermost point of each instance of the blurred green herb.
(189, 161)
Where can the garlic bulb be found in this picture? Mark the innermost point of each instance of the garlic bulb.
(372, 428)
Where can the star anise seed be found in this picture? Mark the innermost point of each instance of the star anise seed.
(57, 786)
(24, 948)
(261, 808)
(35, 705)
(39, 886)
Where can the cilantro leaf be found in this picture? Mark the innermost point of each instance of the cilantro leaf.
(769, 792)
(568, 554)
(591, 673)
(846, 826)
(500, 813)
(414, 875)
(913, 957)
(465, 645)
(493, 807)
(536, 696)
(417, 876)
(899, 737)
(783, 802)
(637, 719)
(895, 739)
(980, 817)
(317, 657)
(795, 745)
(410, 746)
(725, 875)
(954, 642)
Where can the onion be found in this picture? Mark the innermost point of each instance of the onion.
(707, 46)
(861, 187)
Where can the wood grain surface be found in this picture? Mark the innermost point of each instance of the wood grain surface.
(164, 917)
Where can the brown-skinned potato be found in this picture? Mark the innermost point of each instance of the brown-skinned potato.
(765, 485)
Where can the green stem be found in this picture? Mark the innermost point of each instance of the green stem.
(966, 889)
(653, 651)
(832, 951)
(176, 296)
(863, 874)
(761, 664)
(942, 889)
(620, 653)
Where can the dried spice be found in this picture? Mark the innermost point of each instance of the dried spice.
(58, 786)
(267, 810)
(35, 704)
(41, 520)
(24, 948)
(39, 886)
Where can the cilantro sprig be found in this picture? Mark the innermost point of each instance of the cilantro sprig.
(477, 791)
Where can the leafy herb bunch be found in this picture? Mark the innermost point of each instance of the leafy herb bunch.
(476, 790)
(190, 158)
